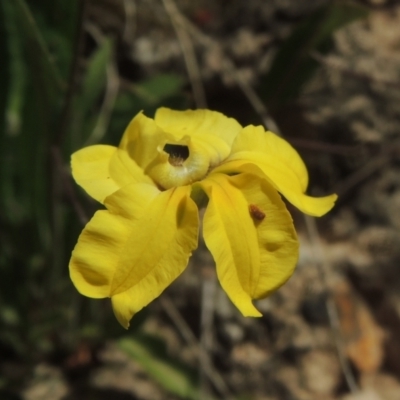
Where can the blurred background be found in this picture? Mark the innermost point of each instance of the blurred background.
(324, 74)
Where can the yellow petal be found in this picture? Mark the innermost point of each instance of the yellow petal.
(99, 247)
(124, 170)
(265, 154)
(136, 248)
(156, 252)
(142, 139)
(132, 201)
(97, 252)
(101, 170)
(169, 220)
(273, 150)
(90, 169)
(211, 131)
(251, 236)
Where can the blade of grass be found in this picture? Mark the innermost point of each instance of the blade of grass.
(34, 42)
(17, 79)
(94, 84)
(12, 82)
(173, 376)
(293, 66)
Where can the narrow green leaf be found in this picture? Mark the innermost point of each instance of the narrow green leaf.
(37, 100)
(35, 44)
(293, 66)
(6, 184)
(17, 80)
(5, 68)
(88, 102)
(96, 76)
(155, 89)
(175, 377)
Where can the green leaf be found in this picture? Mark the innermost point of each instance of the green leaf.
(43, 63)
(87, 103)
(5, 68)
(96, 76)
(17, 79)
(155, 89)
(10, 112)
(34, 97)
(150, 353)
(293, 66)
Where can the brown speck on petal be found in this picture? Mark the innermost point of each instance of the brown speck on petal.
(256, 213)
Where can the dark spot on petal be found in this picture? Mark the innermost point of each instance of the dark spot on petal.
(256, 213)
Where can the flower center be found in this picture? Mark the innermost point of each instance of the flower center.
(178, 154)
(178, 164)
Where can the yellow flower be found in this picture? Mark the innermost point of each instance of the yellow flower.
(151, 186)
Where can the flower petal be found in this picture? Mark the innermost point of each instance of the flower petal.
(93, 260)
(256, 140)
(124, 170)
(142, 139)
(90, 169)
(156, 254)
(99, 247)
(211, 131)
(101, 170)
(265, 154)
(136, 248)
(170, 220)
(255, 253)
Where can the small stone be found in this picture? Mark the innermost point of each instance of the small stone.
(234, 332)
(321, 371)
(249, 355)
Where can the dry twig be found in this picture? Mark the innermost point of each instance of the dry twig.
(372, 166)
(208, 291)
(187, 334)
(229, 67)
(192, 67)
(130, 20)
(331, 307)
(331, 148)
